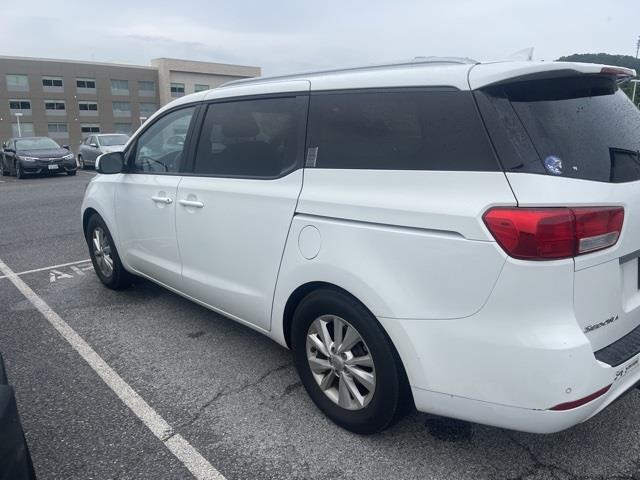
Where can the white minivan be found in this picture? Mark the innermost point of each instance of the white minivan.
(459, 236)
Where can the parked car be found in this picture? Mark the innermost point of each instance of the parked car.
(457, 235)
(28, 155)
(95, 145)
(15, 459)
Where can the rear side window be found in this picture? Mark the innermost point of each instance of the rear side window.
(578, 127)
(398, 130)
(252, 138)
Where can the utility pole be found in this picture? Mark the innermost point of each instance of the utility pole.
(638, 46)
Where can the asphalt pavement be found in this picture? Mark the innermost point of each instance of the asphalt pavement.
(230, 392)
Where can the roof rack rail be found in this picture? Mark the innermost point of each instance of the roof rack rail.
(413, 61)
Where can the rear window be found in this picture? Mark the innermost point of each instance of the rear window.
(579, 127)
(398, 130)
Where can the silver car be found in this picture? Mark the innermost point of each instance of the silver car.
(95, 145)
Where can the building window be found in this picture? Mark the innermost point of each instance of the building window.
(125, 128)
(57, 128)
(53, 83)
(86, 83)
(199, 87)
(19, 105)
(146, 88)
(177, 89)
(120, 87)
(122, 109)
(89, 128)
(56, 105)
(25, 130)
(17, 83)
(85, 107)
(147, 109)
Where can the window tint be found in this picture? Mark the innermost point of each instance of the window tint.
(252, 138)
(418, 130)
(159, 149)
(580, 127)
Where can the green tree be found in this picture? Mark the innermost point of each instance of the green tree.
(607, 59)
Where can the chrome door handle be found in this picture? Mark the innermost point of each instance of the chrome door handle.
(165, 200)
(191, 203)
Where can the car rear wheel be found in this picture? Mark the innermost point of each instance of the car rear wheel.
(72, 173)
(347, 363)
(81, 162)
(104, 256)
(5, 171)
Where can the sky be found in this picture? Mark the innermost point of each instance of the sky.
(284, 36)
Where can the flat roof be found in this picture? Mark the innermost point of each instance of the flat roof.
(82, 62)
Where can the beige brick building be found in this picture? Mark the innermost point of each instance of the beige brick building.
(67, 100)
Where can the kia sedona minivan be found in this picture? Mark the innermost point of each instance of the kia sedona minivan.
(459, 236)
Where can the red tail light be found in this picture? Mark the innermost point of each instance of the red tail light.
(553, 233)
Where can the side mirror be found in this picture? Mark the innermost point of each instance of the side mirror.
(65, 146)
(94, 145)
(110, 163)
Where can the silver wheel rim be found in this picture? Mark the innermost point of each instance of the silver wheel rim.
(102, 252)
(340, 362)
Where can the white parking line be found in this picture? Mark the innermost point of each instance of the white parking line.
(48, 268)
(183, 451)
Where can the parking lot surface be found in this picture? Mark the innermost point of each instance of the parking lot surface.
(231, 393)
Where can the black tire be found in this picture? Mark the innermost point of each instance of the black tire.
(72, 173)
(19, 172)
(119, 277)
(391, 394)
(81, 162)
(5, 172)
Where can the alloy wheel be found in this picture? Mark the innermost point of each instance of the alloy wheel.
(341, 362)
(102, 252)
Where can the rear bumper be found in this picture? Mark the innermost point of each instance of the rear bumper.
(511, 362)
(514, 418)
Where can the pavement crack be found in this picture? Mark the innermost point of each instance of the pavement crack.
(240, 389)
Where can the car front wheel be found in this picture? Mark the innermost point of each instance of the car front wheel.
(347, 363)
(104, 256)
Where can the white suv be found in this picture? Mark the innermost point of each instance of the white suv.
(457, 235)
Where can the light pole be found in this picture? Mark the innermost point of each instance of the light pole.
(18, 115)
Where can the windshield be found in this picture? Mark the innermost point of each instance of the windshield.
(574, 127)
(111, 140)
(38, 143)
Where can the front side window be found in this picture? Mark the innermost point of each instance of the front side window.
(200, 87)
(398, 130)
(160, 148)
(252, 138)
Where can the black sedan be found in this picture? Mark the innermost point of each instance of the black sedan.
(26, 155)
